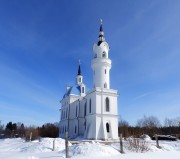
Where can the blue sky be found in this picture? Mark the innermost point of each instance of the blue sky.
(41, 42)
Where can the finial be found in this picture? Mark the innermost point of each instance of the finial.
(101, 21)
(101, 29)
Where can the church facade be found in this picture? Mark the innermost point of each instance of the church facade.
(92, 114)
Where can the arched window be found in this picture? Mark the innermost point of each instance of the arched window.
(85, 109)
(82, 89)
(107, 127)
(95, 56)
(104, 54)
(90, 106)
(76, 111)
(75, 130)
(105, 71)
(85, 125)
(107, 104)
(105, 85)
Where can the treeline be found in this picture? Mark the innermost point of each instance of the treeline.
(150, 126)
(28, 132)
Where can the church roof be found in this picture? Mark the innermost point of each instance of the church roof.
(75, 90)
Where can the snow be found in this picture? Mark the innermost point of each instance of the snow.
(19, 149)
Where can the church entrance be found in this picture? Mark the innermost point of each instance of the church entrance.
(108, 130)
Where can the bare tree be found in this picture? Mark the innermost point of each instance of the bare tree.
(168, 122)
(149, 125)
(1, 126)
(123, 127)
(172, 122)
(149, 122)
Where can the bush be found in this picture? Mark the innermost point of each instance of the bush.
(137, 145)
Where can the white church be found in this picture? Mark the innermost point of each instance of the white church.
(92, 114)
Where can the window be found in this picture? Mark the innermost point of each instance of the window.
(79, 79)
(105, 71)
(105, 85)
(82, 89)
(107, 127)
(75, 130)
(85, 125)
(85, 109)
(107, 104)
(95, 56)
(90, 106)
(104, 54)
(76, 110)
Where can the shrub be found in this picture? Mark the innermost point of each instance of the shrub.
(137, 145)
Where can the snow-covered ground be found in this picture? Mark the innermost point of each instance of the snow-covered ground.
(19, 149)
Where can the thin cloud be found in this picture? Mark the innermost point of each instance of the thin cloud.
(143, 95)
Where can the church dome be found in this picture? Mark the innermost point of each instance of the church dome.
(73, 90)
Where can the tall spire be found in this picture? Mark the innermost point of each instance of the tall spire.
(79, 68)
(101, 34)
(101, 25)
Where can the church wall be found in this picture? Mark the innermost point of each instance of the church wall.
(113, 126)
(63, 127)
(99, 128)
(81, 130)
(91, 103)
(89, 114)
(90, 126)
(101, 103)
(73, 119)
(82, 107)
(74, 109)
(81, 117)
(98, 103)
(73, 128)
(112, 104)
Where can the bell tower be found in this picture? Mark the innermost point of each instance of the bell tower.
(79, 81)
(101, 64)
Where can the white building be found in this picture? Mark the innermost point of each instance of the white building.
(92, 114)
